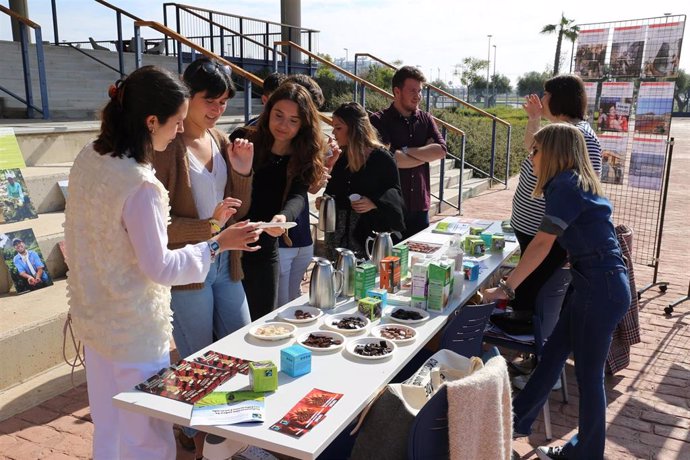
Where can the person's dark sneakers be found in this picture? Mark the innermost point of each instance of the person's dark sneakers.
(551, 453)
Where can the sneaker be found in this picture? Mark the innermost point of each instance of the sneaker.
(550, 453)
(523, 366)
(519, 382)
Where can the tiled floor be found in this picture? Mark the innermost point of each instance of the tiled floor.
(649, 402)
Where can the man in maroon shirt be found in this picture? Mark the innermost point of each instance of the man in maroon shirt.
(414, 140)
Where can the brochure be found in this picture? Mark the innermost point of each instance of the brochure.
(228, 408)
(307, 413)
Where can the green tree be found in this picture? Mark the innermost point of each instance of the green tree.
(565, 27)
(500, 84)
(471, 77)
(532, 82)
(323, 71)
(682, 92)
(379, 75)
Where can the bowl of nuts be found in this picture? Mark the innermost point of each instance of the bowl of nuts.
(397, 333)
(300, 314)
(272, 331)
(321, 341)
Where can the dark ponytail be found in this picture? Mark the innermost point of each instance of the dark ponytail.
(147, 91)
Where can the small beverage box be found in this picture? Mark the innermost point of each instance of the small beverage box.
(403, 251)
(380, 294)
(440, 275)
(295, 360)
(370, 307)
(420, 283)
(474, 245)
(365, 279)
(390, 274)
(471, 270)
(498, 242)
(263, 376)
(476, 231)
(487, 238)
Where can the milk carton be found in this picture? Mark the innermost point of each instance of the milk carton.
(440, 276)
(365, 279)
(401, 250)
(419, 283)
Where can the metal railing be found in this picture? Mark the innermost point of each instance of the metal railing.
(24, 25)
(494, 120)
(238, 38)
(445, 126)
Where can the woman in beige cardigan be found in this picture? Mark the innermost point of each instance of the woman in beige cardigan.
(208, 178)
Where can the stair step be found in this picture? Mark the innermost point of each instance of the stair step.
(31, 333)
(42, 184)
(49, 232)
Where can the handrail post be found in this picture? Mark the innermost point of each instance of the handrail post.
(428, 95)
(179, 44)
(354, 96)
(462, 174)
(310, 60)
(42, 82)
(165, 23)
(247, 100)
(210, 30)
(222, 42)
(275, 58)
(24, 43)
(510, 128)
(241, 41)
(53, 6)
(363, 97)
(120, 47)
(268, 31)
(493, 152)
(442, 173)
(137, 48)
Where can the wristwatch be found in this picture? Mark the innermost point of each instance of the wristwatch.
(509, 292)
(214, 247)
(404, 150)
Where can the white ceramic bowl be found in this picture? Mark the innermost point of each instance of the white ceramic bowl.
(352, 346)
(388, 313)
(272, 331)
(288, 314)
(331, 334)
(329, 320)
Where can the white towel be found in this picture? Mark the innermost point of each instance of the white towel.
(480, 421)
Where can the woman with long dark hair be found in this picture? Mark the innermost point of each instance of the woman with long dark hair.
(364, 183)
(288, 159)
(120, 266)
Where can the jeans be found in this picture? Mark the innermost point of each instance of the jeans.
(202, 316)
(293, 264)
(599, 298)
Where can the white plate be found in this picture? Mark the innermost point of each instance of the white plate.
(331, 334)
(255, 331)
(388, 312)
(285, 225)
(289, 314)
(328, 322)
(350, 347)
(376, 332)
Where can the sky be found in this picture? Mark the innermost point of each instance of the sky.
(434, 35)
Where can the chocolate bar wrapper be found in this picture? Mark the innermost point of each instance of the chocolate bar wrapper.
(217, 359)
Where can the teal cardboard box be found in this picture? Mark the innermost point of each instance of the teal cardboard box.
(295, 360)
(263, 376)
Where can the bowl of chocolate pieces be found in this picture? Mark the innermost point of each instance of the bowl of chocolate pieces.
(397, 333)
(347, 323)
(321, 341)
(406, 315)
(371, 348)
(300, 314)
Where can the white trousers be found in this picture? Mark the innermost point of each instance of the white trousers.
(293, 264)
(121, 434)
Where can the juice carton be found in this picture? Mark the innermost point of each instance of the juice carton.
(370, 307)
(365, 279)
(263, 376)
(476, 231)
(295, 360)
(498, 242)
(440, 285)
(389, 272)
(401, 250)
(420, 283)
(474, 246)
(380, 294)
(487, 238)
(471, 270)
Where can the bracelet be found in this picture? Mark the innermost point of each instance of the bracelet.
(215, 226)
(509, 292)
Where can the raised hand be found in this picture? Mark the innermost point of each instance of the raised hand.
(335, 153)
(239, 236)
(533, 106)
(240, 155)
(276, 231)
(226, 209)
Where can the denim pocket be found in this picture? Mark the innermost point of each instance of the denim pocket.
(618, 286)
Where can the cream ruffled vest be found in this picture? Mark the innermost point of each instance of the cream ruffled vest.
(116, 310)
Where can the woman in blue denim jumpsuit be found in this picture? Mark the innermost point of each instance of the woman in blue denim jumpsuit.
(579, 217)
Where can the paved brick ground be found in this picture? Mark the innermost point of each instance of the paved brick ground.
(649, 402)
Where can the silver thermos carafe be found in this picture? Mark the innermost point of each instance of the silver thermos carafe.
(346, 264)
(327, 214)
(325, 284)
(382, 247)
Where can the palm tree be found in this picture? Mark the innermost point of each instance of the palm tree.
(564, 28)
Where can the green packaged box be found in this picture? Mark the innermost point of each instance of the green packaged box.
(498, 242)
(263, 376)
(476, 230)
(370, 307)
(474, 246)
(420, 283)
(403, 251)
(440, 275)
(365, 279)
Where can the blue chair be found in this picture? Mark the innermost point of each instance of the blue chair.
(462, 334)
(546, 312)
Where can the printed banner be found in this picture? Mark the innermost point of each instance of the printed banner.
(626, 51)
(647, 163)
(614, 106)
(613, 152)
(654, 107)
(591, 88)
(591, 52)
(662, 52)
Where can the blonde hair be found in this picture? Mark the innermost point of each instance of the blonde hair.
(563, 147)
(361, 135)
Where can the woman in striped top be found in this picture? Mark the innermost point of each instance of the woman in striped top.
(564, 100)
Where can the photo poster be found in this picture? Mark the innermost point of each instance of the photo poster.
(591, 88)
(10, 153)
(614, 106)
(614, 149)
(591, 53)
(24, 260)
(662, 52)
(647, 163)
(626, 51)
(654, 107)
(15, 204)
